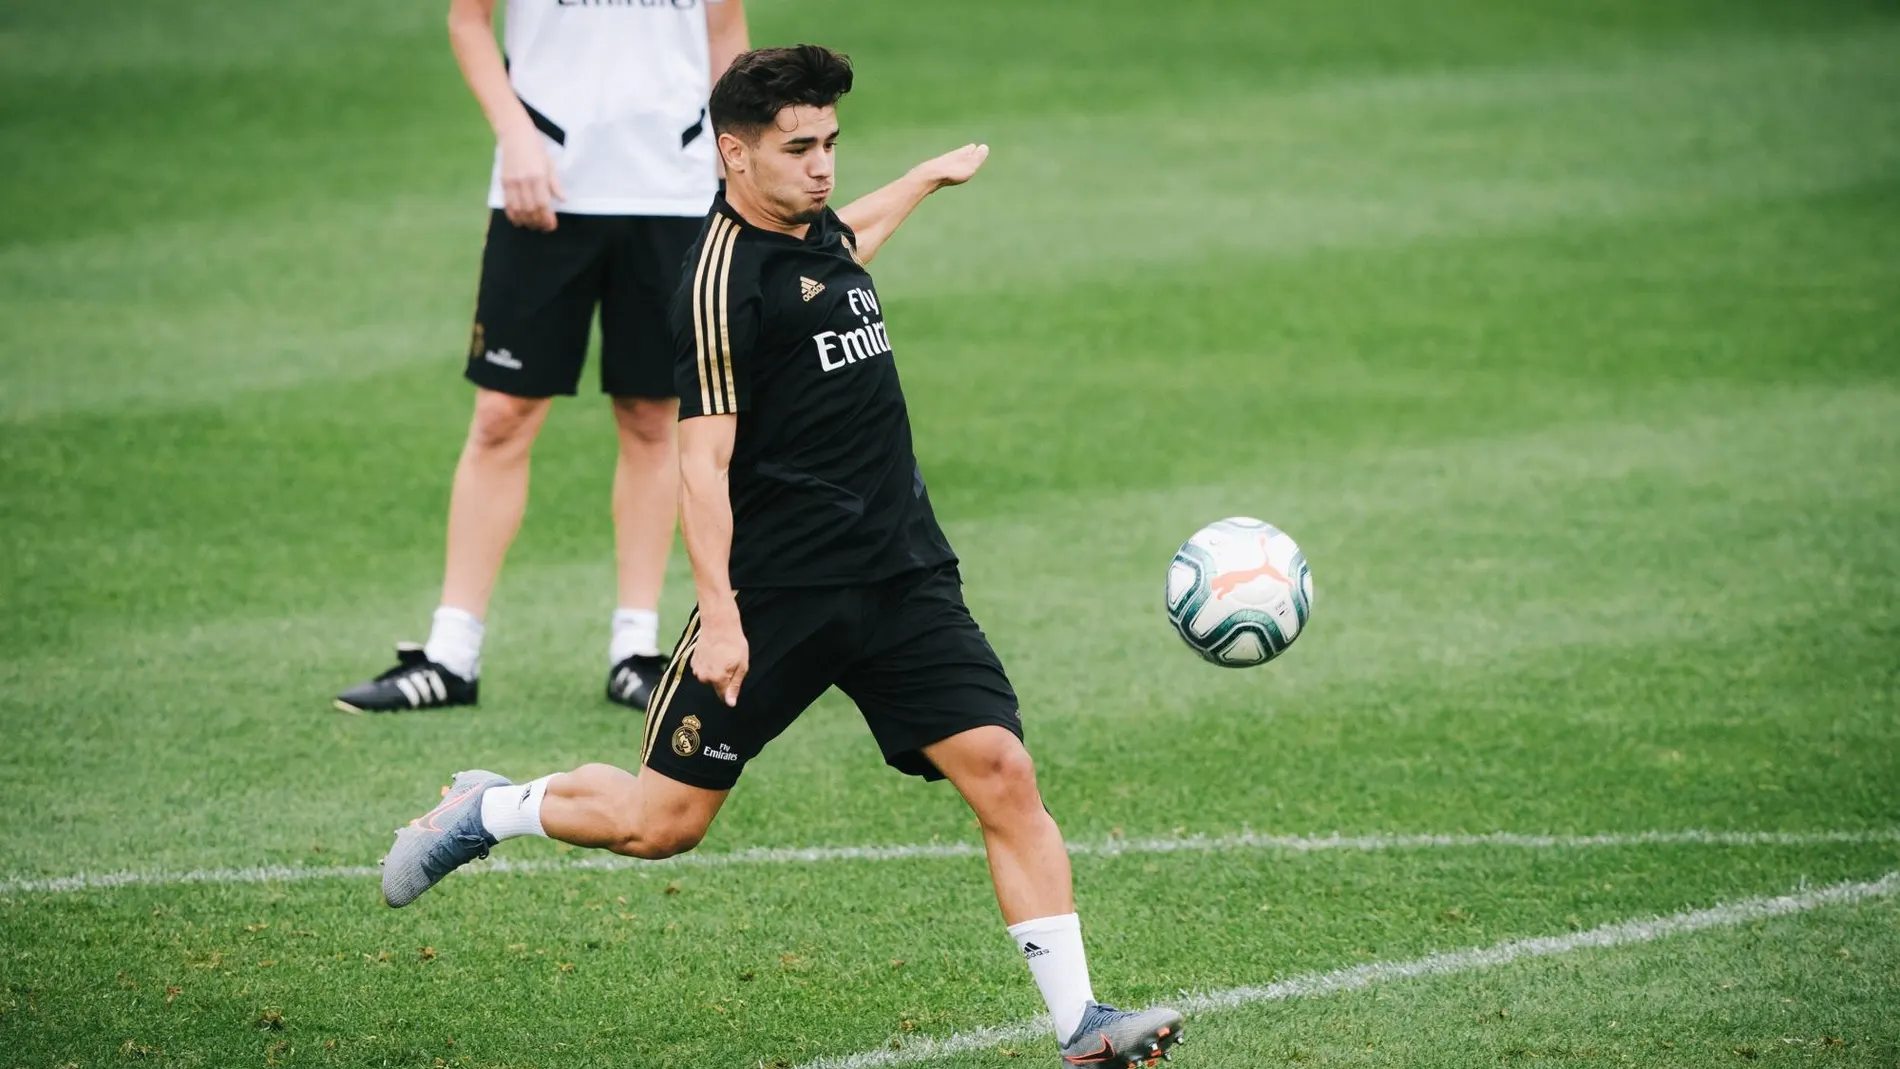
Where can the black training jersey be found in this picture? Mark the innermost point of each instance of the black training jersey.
(788, 333)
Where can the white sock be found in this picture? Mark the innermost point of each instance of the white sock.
(636, 631)
(1053, 948)
(514, 809)
(455, 642)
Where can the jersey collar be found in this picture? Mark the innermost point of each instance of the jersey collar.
(821, 232)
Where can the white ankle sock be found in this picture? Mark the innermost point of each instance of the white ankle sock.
(636, 631)
(455, 642)
(514, 809)
(1053, 948)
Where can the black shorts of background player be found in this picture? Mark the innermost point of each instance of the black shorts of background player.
(544, 272)
(802, 493)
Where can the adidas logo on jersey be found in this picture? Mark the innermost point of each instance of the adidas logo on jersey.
(809, 288)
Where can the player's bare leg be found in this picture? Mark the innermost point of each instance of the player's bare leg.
(489, 496)
(1028, 863)
(645, 504)
(646, 495)
(649, 816)
(486, 503)
(1030, 867)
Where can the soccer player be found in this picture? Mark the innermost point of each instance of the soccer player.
(816, 556)
(604, 167)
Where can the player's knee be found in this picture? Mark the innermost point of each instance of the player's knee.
(1006, 781)
(646, 421)
(658, 844)
(503, 421)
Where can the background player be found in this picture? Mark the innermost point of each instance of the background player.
(604, 166)
(801, 490)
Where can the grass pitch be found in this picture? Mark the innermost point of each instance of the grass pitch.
(1562, 336)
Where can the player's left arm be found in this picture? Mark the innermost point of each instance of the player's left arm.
(726, 36)
(726, 40)
(875, 216)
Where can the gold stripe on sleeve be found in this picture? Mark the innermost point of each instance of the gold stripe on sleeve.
(725, 334)
(707, 255)
(702, 313)
(709, 352)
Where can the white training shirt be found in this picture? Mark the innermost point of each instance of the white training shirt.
(618, 89)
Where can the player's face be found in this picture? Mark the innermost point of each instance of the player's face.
(793, 165)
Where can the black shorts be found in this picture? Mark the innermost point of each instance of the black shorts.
(538, 294)
(906, 650)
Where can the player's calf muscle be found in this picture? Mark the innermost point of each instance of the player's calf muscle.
(606, 807)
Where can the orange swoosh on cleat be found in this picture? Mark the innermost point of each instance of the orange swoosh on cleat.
(1094, 1056)
(427, 820)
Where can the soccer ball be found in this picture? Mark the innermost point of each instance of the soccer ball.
(1239, 592)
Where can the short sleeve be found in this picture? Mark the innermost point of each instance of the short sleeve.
(715, 325)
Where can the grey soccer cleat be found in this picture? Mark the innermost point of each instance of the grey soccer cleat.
(440, 841)
(1112, 1037)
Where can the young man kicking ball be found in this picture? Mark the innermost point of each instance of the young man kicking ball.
(816, 556)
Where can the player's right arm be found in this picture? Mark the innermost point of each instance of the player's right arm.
(721, 655)
(715, 316)
(528, 182)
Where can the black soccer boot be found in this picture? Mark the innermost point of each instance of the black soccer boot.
(631, 682)
(415, 683)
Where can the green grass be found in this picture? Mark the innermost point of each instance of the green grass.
(1563, 336)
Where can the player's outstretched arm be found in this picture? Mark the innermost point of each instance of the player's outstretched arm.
(721, 656)
(875, 216)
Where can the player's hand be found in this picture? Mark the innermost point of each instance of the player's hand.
(529, 186)
(721, 657)
(955, 167)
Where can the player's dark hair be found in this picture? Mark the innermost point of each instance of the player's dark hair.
(750, 94)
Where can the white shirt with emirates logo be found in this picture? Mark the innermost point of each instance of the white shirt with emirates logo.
(618, 89)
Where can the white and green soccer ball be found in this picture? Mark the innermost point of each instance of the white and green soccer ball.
(1239, 592)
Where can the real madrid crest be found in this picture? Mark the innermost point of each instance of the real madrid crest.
(686, 737)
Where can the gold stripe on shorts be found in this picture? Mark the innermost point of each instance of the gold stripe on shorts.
(669, 683)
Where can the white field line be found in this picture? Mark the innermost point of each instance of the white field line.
(1245, 841)
(1359, 977)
